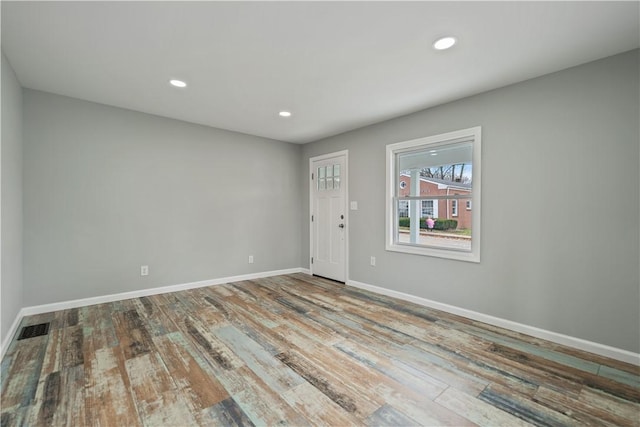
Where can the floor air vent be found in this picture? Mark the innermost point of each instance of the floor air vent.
(34, 331)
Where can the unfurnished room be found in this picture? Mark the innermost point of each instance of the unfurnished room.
(330, 213)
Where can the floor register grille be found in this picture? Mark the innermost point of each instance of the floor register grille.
(34, 331)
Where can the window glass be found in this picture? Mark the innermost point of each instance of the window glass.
(322, 183)
(403, 209)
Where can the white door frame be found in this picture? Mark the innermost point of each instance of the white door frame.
(344, 153)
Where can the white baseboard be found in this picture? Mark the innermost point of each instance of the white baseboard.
(592, 347)
(12, 331)
(28, 311)
(64, 305)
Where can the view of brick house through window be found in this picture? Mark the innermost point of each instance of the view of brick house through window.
(435, 209)
(431, 195)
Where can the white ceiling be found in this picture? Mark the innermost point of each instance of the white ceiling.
(336, 66)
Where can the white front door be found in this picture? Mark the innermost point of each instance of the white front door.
(329, 216)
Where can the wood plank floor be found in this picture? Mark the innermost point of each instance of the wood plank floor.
(300, 350)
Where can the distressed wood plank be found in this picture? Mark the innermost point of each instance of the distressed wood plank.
(467, 370)
(254, 311)
(317, 407)
(226, 413)
(109, 401)
(361, 390)
(199, 389)
(387, 415)
(577, 353)
(620, 376)
(476, 410)
(20, 386)
(210, 346)
(60, 399)
(613, 405)
(98, 327)
(263, 364)
(244, 321)
(340, 392)
(134, 338)
(581, 412)
(154, 392)
(419, 381)
(261, 404)
(523, 408)
(51, 397)
(545, 353)
(54, 352)
(571, 375)
(14, 416)
(155, 319)
(73, 347)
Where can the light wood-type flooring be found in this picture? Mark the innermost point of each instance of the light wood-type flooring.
(300, 350)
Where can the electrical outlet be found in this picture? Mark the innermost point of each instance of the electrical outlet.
(144, 270)
(373, 261)
(250, 259)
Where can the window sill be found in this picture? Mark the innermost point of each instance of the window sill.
(435, 252)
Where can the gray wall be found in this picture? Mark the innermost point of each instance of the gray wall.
(560, 233)
(11, 226)
(107, 190)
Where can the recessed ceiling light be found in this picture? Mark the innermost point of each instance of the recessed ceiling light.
(284, 114)
(177, 83)
(444, 43)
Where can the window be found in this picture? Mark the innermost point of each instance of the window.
(403, 211)
(427, 209)
(447, 168)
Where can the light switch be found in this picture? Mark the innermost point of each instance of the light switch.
(354, 206)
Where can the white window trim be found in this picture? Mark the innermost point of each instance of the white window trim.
(454, 208)
(471, 133)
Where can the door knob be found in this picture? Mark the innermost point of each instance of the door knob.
(341, 225)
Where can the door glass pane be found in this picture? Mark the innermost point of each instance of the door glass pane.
(329, 177)
(321, 181)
